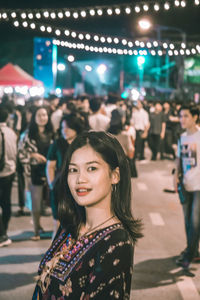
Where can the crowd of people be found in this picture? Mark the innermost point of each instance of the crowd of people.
(35, 140)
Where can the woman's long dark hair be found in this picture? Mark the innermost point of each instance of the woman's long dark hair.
(70, 213)
(33, 127)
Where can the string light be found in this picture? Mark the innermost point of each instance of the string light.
(116, 40)
(100, 12)
(197, 2)
(109, 12)
(183, 4)
(83, 14)
(53, 15)
(75, 15)
(117, 11)
(145, 7)
(137, 9)
(67, 13)
(92, 12)
(156, 7)
(13, 15)
(166, 6)
(176, 2)
(127, 10)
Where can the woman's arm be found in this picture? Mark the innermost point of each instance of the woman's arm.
(50, 172)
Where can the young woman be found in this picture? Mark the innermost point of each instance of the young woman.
(70, 126)
(125, 135)
(32, 153)
(92, 254)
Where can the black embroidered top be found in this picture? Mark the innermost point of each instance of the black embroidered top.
(96, 266)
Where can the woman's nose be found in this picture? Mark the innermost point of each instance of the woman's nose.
(82, 177)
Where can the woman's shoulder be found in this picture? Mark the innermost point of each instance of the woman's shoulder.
(114, 235)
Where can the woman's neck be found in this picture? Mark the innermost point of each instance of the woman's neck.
(41, 129)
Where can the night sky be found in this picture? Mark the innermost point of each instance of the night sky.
(16, 44)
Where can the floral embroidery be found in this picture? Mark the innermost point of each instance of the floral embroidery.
(115, 262)
(67, 288)
(115, 294)
(91, 262)
(110, 249)
(82, 281)
(92, 277)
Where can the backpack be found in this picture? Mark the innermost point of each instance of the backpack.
(2, 152)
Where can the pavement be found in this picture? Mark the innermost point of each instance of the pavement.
(155, 277)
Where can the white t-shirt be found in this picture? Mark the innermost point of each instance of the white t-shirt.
(189, 151)
(99, 122)
(140, 119)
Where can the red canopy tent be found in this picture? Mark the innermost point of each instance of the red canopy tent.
(13, 75)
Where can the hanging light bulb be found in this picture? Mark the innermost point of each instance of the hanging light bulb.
(145, 7)
(156, 7)
(100, 12)
(127, 10)
(166, 6)
(137, 9)
(83, 14)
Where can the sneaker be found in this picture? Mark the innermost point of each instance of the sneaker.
(4, 241)
(35, 238)
(184, 263)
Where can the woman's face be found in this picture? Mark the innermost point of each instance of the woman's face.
(68, 134)
(90, 178)
(41, 117)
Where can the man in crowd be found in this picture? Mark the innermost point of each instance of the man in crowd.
(188, 164)
(8, 154)
(140, 121)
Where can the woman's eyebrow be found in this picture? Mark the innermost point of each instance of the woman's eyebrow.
(87, 163)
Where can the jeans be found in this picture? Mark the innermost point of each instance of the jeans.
(191, 210)
(5, 202)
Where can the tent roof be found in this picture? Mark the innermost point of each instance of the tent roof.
(13, 75)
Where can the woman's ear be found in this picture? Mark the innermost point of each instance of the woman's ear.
(115, 176)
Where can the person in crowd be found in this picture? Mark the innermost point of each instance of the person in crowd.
(56, 116)
(82, 104)
(23, 173)
(156, 130)
(8, 158)
(125, 137)
(172, 120)
(53, 101)
(92, 253)
(70, 126)
(97, 120)
(140, 121)
(33, 152)
(111, 104)
(188, 164)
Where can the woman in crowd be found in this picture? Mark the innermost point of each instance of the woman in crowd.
(70, 126)
(125, 135)
(33, 152)
(92, 254)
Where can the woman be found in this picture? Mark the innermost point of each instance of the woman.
(125, 135)
(33, 153)
(92, 254)
(70, 126)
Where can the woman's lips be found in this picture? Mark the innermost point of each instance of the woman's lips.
(83, 191)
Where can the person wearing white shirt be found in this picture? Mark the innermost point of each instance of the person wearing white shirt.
(140, 121)
(56, 116)
(97, 120)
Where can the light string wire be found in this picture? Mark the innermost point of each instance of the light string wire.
(95, 38)
(109, 10)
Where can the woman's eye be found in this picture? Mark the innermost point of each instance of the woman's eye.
(72, 170)
(92, 168)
